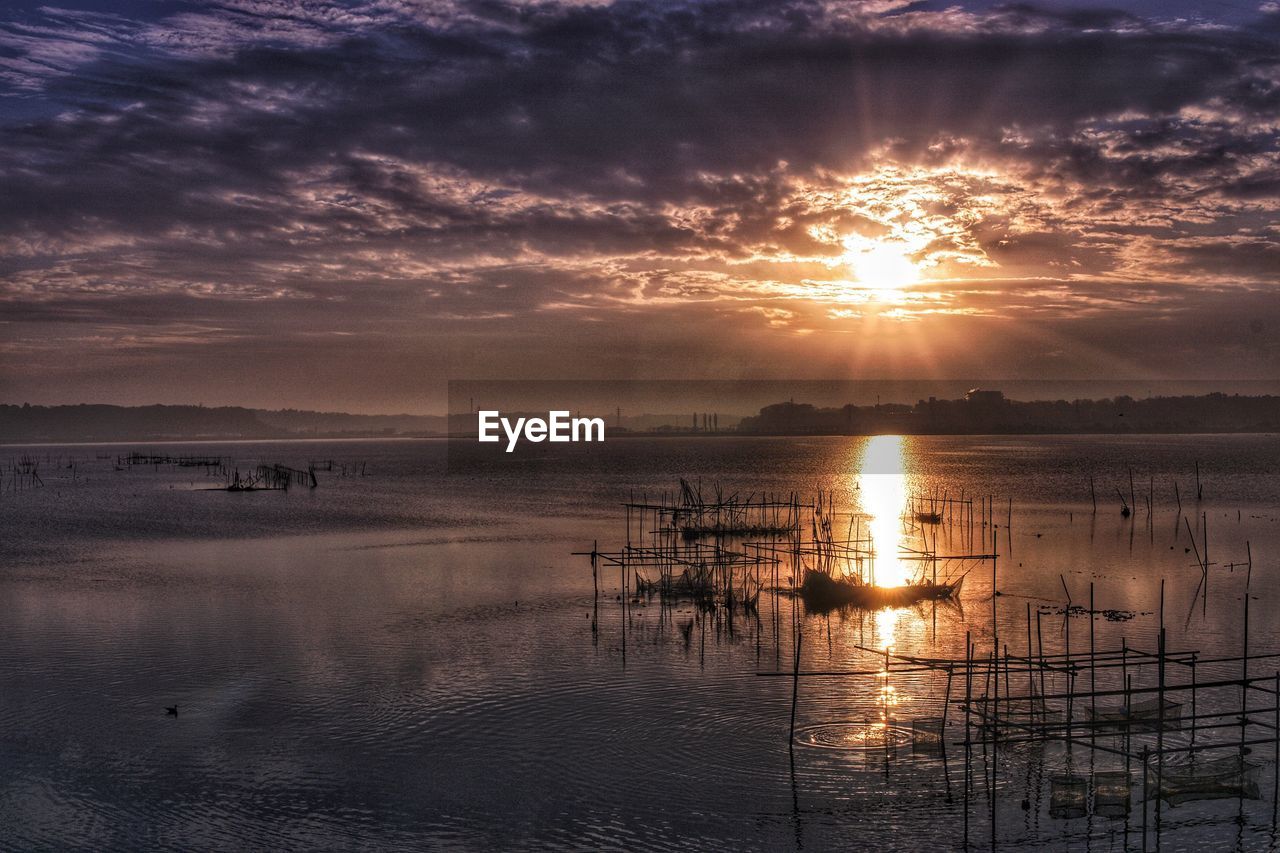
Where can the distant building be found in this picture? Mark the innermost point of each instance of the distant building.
(980, 397)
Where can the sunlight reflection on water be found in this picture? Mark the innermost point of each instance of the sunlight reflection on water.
(882, 496)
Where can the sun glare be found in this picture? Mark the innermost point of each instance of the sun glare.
(882, 268)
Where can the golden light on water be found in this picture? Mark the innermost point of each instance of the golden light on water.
(882, 495)
(886, 625)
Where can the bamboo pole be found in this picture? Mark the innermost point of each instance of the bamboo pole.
(1040, 646)
(1146, 795)
(995, 635)
(1031, 684)
(1160, 727)
(795, 692)
(1093, 670)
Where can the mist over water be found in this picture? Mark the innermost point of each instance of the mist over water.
(405, 659)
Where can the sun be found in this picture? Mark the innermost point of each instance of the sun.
(884, 269)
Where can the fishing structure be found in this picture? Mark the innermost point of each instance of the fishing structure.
(1141, 728)
(725, 549)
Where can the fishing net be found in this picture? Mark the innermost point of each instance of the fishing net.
(1142, 715)
(1184, 779)
(926, 733)
(1111, 793)
(1068, 796)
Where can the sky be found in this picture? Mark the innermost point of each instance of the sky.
(344, 205)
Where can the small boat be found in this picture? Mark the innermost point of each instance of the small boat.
(821, 591)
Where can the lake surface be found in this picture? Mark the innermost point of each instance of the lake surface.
(403, 658)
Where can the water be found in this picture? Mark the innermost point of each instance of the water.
(405, 659)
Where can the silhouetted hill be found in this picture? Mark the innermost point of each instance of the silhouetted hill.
(301, 422)
(157, 423)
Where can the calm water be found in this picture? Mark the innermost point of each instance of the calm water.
(404, 659)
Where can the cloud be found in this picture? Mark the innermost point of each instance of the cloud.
(289, 175)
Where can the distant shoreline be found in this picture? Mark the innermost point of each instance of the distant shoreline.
(236, 440)
(979, 412)
(621, 436)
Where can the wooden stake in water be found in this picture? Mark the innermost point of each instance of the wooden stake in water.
(1204, 531)
(1146, 794)
(1040, 647)
(968, 683)
(595, 583)
(795, 692)
(1160, 729)
(1161, 604)
(946, 705)
(995, 643)
(1275, 789)
(968, 708)
(1031, 682)
(1193, 700)
(1244, 667)
(1093, 670)
(622, 570)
